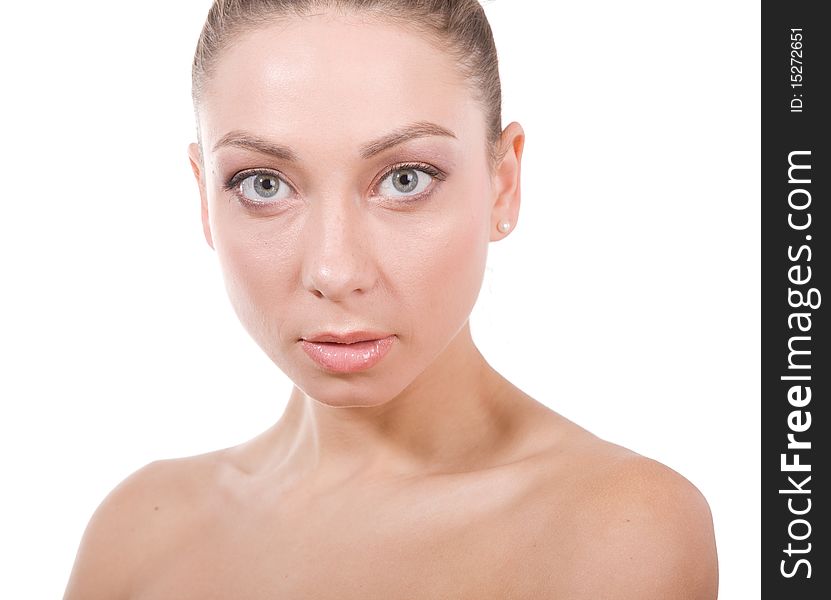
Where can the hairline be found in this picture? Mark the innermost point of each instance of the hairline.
(235, 32)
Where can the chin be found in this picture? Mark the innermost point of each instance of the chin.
(373, 387)
(343, 393)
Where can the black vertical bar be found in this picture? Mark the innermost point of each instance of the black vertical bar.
(796, 170)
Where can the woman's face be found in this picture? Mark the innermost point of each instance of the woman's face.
(346, 189)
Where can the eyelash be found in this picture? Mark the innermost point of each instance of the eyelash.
(232, 185)
(429, 169)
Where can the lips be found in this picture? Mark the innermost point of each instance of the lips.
(348, 352)
(349, 337)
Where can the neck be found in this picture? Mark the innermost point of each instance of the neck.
(452, 418)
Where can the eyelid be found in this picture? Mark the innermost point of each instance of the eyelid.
(432, 171)
(233, 183)
(237, 178)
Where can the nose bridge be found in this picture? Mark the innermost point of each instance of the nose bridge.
(337, 260)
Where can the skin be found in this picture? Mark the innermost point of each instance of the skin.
(429, 475)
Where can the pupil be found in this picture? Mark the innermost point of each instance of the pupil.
(266, 186)
(406, 181)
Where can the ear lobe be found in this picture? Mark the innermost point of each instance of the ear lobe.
(195, 156)
(507, 181)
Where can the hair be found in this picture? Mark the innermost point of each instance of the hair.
(458, 26)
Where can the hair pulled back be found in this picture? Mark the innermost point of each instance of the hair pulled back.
(458, 26)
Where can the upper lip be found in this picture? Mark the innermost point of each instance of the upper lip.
(346, 337)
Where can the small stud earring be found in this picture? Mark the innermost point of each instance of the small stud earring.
(504, 226)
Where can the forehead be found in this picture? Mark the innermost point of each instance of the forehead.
(335, 77)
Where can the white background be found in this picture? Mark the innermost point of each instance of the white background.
(627, 299)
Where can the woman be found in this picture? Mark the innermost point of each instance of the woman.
(353, 170)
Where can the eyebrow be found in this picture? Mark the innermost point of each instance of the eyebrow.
(401, 135)
(246, 141)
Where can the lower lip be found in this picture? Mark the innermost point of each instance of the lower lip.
(348, 358)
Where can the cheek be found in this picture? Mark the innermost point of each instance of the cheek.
(443, 277)
(429, 267)
(258, 267)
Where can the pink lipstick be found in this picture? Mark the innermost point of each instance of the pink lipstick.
(349, 352)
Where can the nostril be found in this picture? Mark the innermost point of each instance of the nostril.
(337, 266)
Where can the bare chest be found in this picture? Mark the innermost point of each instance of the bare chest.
(466, 543)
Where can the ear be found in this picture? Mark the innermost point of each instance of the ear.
(506, 178)
(195, 155)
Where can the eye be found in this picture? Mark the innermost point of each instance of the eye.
(406, 181)
(261, 187)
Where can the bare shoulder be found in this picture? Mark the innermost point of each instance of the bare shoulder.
(636, 529)
(147, 515)
(655, 534)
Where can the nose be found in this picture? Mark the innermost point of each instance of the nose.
(337, 257)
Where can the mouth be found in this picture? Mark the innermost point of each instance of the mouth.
(348, 337)
(347, 352)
